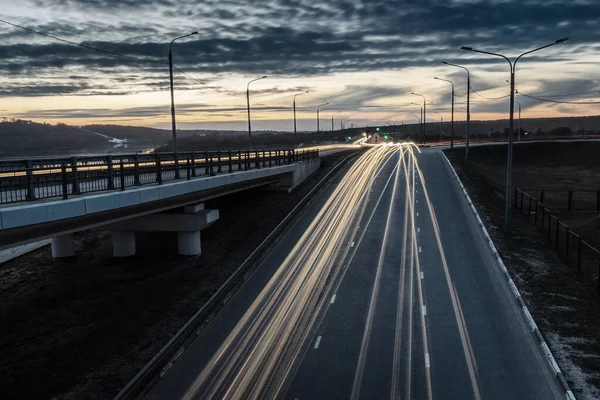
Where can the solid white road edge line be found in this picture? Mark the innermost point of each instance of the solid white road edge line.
(545, 348)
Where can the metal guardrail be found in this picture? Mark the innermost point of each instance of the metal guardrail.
(567, 243)
(34, 179)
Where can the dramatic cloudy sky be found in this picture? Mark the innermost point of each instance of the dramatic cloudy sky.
(363, 57)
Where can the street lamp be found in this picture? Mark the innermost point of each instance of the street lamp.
(519, 128)
(320, 105)
(173, 125)
(452, 125)
(332, 120)
(420, 118)
(424, 115)
(512, 65)
(248, 103)
(298, 94)
(468, 110)
(441, 122)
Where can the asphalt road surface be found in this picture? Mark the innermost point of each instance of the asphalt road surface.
(385, 289)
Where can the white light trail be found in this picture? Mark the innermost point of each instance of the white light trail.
(255, 359)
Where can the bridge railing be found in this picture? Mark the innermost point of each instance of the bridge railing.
(34, 179)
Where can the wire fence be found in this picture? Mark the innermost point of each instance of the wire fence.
(570, 200)
(34, 179)
(576, 251)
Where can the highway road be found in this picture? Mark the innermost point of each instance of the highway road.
(385, 288)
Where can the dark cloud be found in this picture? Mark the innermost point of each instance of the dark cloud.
(291, 37)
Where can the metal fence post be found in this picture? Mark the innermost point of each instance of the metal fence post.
(521, 206)
(257, 159)
(239, 155)
(550, 226)
(598, 277)
(536, 213)
(193, 164)
(579, 256)
(270, 158)
(158, 169)
(206, 165)
(542, 196)
(65, 185)
(30, 190)
(543, 218)
(122, 173)
(229, 162)
(176, 165)
(529, 210)
(219, 161)
(75, 188)
(557, 228)
(187, 168)
(109, 167)
(570, 200)
(211, 163)
(136, 170)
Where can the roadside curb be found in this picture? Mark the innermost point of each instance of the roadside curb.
(515, 290)
(158, 366)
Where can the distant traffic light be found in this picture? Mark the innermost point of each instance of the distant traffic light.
(385, 137)
(377, 129)
(349, 137)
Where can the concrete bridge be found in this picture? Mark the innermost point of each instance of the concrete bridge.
(55, 198)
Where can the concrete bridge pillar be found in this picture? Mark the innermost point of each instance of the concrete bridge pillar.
(123, 243)
(189, 243)
(63, 246)
(188, 223)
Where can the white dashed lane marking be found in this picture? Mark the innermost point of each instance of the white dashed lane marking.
(317, 342)
(333, 299)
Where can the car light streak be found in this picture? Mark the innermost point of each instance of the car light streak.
(254, 360)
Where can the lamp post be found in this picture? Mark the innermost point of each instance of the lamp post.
(248, 103)
(420, 120)
(468, 110)
(298, 94)
(173, 125)
(452, 124)
(512, 65)
(424, 116)
(319, 106)
(441, 122)
(332, 120)
(519, 128)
